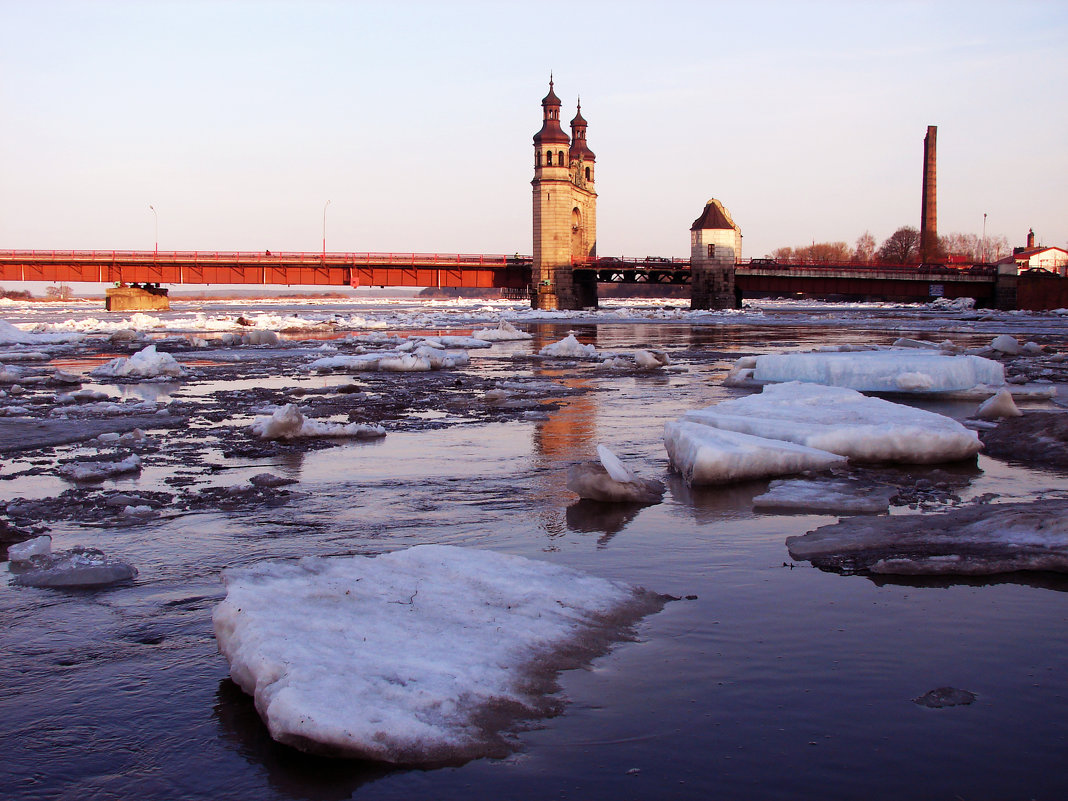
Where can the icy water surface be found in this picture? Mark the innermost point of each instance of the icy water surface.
(777, 681)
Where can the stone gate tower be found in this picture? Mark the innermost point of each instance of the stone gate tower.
(565, 212)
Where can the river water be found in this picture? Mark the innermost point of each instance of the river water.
(774, 681)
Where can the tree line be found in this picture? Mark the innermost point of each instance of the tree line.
(901, 247)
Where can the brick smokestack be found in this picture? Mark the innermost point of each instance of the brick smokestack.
(929, 249)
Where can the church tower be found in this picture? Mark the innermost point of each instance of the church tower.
(565, 212)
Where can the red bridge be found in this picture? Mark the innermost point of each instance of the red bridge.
(754, 278)
(218, 267)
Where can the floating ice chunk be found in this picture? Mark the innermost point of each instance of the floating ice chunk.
(78, 567)
(881, 370)
(952, 305)
(975, 541)
(12, 335)
(616, 469)
(570, 348)
(270, 480)
(741, 373)
(845, 422)
(25, 551)
(99, 471)
(998, 406)
(504, 332)
(10, 374)
(651, 359)
(260, 338)
(706, 455)
(1006, 344)
(836, 496)
(146, 363)
(289, 423)
(440, 359)
(905, 342)
(458, 342)
(406, 363)
(592, 481)
(419, 656)
(346, 364)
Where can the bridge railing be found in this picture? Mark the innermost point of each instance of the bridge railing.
(262, 257)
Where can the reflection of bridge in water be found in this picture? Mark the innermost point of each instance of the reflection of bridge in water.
(753, 278)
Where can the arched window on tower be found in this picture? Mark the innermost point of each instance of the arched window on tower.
(561, 156)
(587, 173)
(548, 158)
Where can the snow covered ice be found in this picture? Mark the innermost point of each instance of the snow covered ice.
(420, 656)
(845, 422)
(99, 471)
(707, 455)
(504, 332)
(146, 363)
(569, 348)
(974, 541)
(34, 565)
(289, 422)
(903, 370)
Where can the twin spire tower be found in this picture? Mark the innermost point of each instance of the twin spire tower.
(565, 211)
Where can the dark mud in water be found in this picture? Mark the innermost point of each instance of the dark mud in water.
(774, 680)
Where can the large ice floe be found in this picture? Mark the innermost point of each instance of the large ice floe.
(612, 481)
(895, 370)
(569, 348)
(845, 422)
(147, 363)
(423, 656)
(707, 455)
(838, 496)
(288, 422)
(504, 332)
(34, 565)
(974, 541)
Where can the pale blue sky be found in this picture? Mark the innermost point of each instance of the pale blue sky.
(239, 120)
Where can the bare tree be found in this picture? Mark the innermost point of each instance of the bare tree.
(865, 250)
(61, 292)
(902, 247)
(782, 254)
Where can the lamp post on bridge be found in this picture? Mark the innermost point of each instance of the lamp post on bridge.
(984, 237)
(324, 229)
(155, 216)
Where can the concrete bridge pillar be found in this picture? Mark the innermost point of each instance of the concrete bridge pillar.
(136, 298)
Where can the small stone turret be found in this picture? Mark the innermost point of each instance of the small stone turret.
(715, 247)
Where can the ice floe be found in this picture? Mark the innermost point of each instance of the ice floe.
(975, 541)
(100, 471)
(288, 422)
(612, 481)
(34, 565)
(569, 348)
(504, 332)
(145, 363)
(420, 656)
(997, 406)
(707, 455)
(900, 370)
(13, 335)
(831, 496)
(845, 422)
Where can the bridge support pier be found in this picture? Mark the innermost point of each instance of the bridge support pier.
(712, 280)
(565, 288)
(1005, 287)
(136, 298)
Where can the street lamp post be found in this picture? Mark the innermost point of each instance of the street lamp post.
(324, 228)
(155, 216)
(984, 237)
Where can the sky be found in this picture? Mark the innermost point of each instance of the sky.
(238, 121)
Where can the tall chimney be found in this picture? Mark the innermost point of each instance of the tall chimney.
(1031, 239)
(929, 211)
